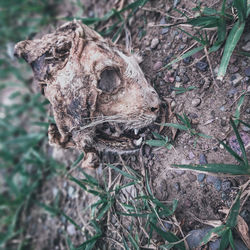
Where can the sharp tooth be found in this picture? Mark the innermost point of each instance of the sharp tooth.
(138, 142)
(136, 130)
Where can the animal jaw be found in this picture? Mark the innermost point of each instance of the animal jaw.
(90, 82)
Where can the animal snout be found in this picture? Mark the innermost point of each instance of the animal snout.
(154, 102)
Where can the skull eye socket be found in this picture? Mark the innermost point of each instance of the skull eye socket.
(109, 80)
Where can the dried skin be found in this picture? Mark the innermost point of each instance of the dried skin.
(90, 82)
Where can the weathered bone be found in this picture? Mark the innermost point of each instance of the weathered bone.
(89, 81)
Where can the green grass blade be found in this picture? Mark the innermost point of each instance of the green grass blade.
(168, 236)
(232, 152)
(187, 54)
(234, 212)
(78, 182)
(231, 240)
(247, 125)
(242, 148)
(133, 241)
(104, 209)
(91, 180)
(156, 143)
(78, 160)
(241, 6)
(218, 168)
(237, 111)
(215, 231)
(123, 172)
(175, 125)
(232, 40)
(204, 21)
(224, 239)
(205, 136)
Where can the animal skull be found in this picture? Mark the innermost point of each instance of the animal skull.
(90, 82)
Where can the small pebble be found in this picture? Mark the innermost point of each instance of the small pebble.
(168, 226)
(217, 185)
(236, 79)
(177, 186)
(157, 65)
(247, 71)
(178, 79)
(233, 142)
(176, 2)
(232, 92)
(202, 159)
(191, 155)
(223, 122)
(245, 214)
(246, 47)
(188, 203)
(71, 229)
(196, 102)
(201, 177)
(147, 150)
(222, 108)
(173, 104)
(71, 191)
(226, 185)
(154, 43)
(185, 79)
(195, 237)
(224, 196)
(191, 177)
(164, 31)
(211, 179)
(187, 59)
(202, 66)
(163, 20)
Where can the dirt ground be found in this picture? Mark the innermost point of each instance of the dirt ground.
(210, 106)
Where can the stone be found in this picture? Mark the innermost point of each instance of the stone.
(71, 191)
(191, 177)
(173, 104)
(196, 102)
(191, 155)
(195, 237)
(202, 66)
(178, 79)
(164, 31)
(154, 43)
(211, 179)
(202, 159)
(233, 142)
(226, 185)
(177, 186)
(201, 177)
(223, 122)
(188, 203)
(71, 229)
(167, 226)
(236, 79)
(217, 184)
(185, 79)
(187, 59)
(232, 92)
(247, 71)
(176, 2)
(157, 65)
(246, 47)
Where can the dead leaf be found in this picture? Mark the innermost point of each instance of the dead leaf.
(243, 230)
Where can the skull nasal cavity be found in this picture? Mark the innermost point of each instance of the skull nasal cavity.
(109, 80)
